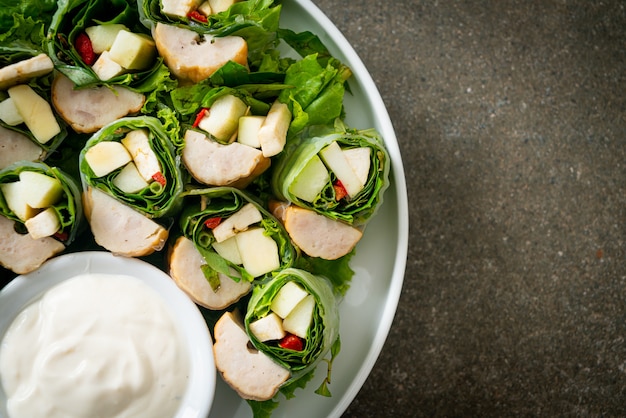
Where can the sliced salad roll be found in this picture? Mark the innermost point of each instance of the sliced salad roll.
(292, 320)
(340, 174)
(236, 238)
(41, 213)
(130, 167)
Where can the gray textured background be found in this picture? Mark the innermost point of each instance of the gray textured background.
(511, 121)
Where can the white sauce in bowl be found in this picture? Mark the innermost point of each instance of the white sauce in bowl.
(95, 345)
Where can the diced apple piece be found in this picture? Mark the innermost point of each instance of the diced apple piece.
(335, 159)
(46, 223)
(14, 196)
(205, 8)
(259, 252)
(270, 327)
(218, 6)
(179, 8)
(222, 120)
(129, 180)
(103, 36)
(24, 70)
(105, 68)
(133, 51)
(238, 221)
(360, 161)
(228, 249)
(138, 145)
(299, 319)
(290, 295)
(107, 156)
(248, 133)
(36, 112)
(40, 190)
(9, 113)
(311, 180)
(273, 132)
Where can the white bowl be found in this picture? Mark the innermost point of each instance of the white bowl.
(202, 375)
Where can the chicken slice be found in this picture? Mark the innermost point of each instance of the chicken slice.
(319, 236)
(248, 371)
(184, 266)
(88, 109)
(214, 164)
(15, 146)
(194, 57)
(22, 254)
(119, 228)
(24, 70)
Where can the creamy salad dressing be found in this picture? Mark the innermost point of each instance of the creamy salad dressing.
(96, 345)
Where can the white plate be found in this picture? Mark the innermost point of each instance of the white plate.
(370, 304)
(27, 288)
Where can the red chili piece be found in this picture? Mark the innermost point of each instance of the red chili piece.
(61, 236)
(292, 342)
(340, 191)
(201, 115)
(159, 178)
(212, 222)
(85, 49)
(196, 15)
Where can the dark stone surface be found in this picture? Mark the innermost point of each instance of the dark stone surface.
(511, 118)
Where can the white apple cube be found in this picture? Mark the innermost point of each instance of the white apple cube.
(259, 252)
(287, 298)
(178, 8)
(359, 160)
(129, 180)
(105, 68)
(248, 132)
(268, 328)
(336, 161)
(107, 156)
(311, 180)
(103, 36)
(36, 112)
(133, 51)
(238, 221)
(273, 132)
(46, 223)
(229, 250)
(222, 119)
(218, 6)
(299, 319)
(40, 190)
(9, 113)
(205, 8)
(138, 145)
(14, 196)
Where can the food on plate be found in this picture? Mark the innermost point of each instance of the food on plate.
(41, 213)
(69, 353)
(292, 320)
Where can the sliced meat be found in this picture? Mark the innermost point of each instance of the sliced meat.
(119, 228)
(88, 109)
(22, 254)
(15, 146)
(319, 236)
(214, 164)
(24, 70)
(194, 57)
(248, 371)
(185, 263)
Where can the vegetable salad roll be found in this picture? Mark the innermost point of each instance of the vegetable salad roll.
(228, 241)
(292, 320)
(41, 213)
(341, 174)
(131, 177)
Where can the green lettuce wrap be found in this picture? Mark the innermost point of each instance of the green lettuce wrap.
(306, 173)
(206, 220)
(158, 195)
(29, 188)
(316, 340)
(65, 44)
